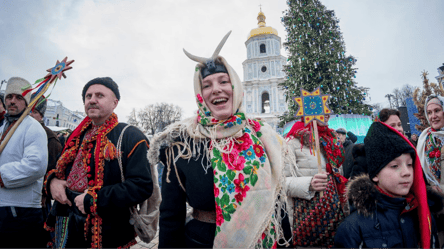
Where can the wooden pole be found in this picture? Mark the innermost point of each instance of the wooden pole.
(318, 150)
(24, 114)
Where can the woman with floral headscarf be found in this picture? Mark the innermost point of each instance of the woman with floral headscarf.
(227, 167)
(430, 142)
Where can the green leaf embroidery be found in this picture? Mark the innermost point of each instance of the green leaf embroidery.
(216, 153)
(230, 209)
(225, 200)
(221, 167)
(247, 170)
(227, 216)
(231, 175)
(257, 164)
(254, 179)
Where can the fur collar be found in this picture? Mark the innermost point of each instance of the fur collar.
(362, 194)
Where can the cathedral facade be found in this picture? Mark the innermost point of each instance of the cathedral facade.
(263, 71)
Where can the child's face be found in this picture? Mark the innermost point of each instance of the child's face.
(396, 177)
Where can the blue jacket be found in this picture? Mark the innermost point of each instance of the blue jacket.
(376, 220)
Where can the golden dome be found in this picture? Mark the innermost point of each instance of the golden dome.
(262, 29)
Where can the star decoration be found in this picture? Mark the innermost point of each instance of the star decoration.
(58, 70)
(312, 105)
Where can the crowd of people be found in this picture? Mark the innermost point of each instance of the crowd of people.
(245, 184)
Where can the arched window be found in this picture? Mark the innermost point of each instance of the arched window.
(265, 103)
(262, 49)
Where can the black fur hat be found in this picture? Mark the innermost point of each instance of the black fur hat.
(383, 145)
(106, 81)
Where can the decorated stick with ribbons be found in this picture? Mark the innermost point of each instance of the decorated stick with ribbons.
(43, 85)
(312, 108)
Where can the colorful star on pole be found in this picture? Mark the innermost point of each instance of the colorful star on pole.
(312, 105)
(58, 70)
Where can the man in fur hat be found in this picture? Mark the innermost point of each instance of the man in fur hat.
(87, 184)
(22, 167)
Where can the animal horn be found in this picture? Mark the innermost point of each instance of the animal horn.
(221, 44)
(195, 58)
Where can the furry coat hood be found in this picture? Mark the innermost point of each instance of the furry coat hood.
(362, 194)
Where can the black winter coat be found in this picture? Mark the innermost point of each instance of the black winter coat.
(347, 166)
(376, 220)
(199, 194)
(359, 161)
(115, 197)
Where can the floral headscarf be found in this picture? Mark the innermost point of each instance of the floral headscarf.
(246, 157)
(209, 124)
(430, 143)
(433, 99)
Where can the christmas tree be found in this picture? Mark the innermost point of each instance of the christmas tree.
(317, 58)
(420, 98)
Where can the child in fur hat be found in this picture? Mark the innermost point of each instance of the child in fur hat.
(389, 204)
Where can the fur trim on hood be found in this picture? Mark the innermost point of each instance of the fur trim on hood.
(362, 193)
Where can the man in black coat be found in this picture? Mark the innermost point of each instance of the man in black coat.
(87, 185)
(347, 143)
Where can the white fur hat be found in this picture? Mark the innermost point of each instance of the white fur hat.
(17, 85)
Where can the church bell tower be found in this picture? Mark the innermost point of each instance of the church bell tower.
(263, 71)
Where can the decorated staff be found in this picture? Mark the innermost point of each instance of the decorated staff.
(42, 86)
(316, 192)
(312, 107)
(23, 163)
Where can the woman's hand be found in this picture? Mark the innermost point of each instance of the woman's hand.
(319, 182)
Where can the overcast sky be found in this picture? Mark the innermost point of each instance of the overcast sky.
(139, 43)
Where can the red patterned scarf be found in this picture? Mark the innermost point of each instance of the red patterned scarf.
(334, 152)
(104, 150)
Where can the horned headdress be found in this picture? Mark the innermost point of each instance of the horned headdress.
(212, 65)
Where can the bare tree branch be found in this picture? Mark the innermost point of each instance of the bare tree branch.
(132, 119)
(154, 118)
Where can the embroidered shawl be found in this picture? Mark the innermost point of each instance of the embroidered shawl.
(426, 141)
(246, 157)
